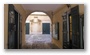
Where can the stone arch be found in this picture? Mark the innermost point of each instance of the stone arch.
(49, 13)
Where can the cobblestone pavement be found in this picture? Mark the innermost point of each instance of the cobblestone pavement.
(39, 42)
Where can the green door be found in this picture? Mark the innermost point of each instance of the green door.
(46, 28)
(27, 28)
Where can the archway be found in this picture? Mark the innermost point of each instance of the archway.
(37, 18)
(38, 29)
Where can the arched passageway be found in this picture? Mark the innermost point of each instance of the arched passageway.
(38, 31)
(36, 20)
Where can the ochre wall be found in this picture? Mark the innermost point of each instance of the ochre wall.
(58, 18)
(5, 25)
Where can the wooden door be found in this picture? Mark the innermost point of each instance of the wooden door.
(65, 31)
(11, 27)
(75, 27)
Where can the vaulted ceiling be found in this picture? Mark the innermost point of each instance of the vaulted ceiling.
(42, 7)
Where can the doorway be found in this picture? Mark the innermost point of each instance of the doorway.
(38, 30)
